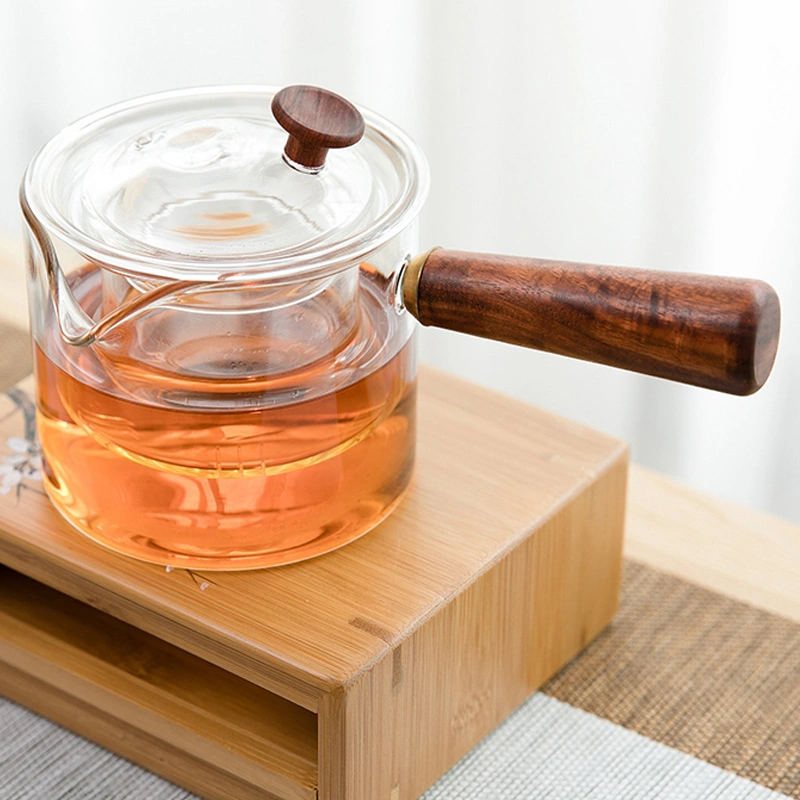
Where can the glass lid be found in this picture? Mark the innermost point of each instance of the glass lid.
(195, 185)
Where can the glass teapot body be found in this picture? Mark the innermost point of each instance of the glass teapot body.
(222, 413)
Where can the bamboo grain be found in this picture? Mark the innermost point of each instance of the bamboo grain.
(161, 757)
(156, 688)
(409, 645)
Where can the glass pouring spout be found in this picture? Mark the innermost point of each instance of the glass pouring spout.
(76, 327)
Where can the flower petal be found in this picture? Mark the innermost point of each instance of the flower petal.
(11, 479)
(18, 445)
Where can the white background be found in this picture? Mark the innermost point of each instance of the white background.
(657, 133)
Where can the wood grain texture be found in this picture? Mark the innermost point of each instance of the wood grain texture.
(409, 644)
(316, 120)
(489, 470)
(161, 757)
(733, 550)
(549, 597)
(718, 333)
(152, 686)
(13, 293)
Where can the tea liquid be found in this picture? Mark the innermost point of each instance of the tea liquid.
(196, 472)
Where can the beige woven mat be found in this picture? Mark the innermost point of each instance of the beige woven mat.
(708, 675)
(15, 355)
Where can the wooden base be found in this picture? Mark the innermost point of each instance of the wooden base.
(363, 674)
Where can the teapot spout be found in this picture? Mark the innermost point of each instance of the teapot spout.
(75, 326)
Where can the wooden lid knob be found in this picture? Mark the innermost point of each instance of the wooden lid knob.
(315, 120)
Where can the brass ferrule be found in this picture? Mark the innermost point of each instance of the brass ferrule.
(411, 280)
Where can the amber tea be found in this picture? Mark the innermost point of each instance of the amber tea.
(173, 465)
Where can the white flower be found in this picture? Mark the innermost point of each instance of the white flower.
(9, 478)
(24, 462)
(17, 445)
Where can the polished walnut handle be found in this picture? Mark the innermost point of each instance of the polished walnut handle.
(719, 333)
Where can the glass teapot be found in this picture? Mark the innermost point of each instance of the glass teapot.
(222, 319)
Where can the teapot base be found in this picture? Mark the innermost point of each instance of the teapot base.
(337, 534)
(200, 521)
(197, 536)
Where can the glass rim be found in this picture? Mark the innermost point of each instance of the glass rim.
(295, 262)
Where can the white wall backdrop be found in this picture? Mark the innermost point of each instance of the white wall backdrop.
(658, 133)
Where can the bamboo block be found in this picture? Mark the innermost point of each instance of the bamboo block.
(363, 674)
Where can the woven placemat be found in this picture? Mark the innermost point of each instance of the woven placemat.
(702, 673)
(15, 355)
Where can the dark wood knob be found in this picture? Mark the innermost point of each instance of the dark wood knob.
(315, 120)
(719, 333)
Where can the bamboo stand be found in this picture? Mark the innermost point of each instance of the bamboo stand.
(363, 674)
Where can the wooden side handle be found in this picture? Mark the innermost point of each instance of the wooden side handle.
(719, 333)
